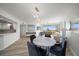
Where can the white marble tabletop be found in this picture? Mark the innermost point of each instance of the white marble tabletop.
(44, 41)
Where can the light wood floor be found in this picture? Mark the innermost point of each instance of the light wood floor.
(19, 48)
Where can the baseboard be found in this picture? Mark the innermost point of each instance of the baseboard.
(72, 51)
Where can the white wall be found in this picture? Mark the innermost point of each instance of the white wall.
(23, 29)
(7, 39)
(1, 42)
(73, 41)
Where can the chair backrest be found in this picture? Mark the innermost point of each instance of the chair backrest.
(64, 48)
(32, 37)
(59, 49)
(32, 49)
(47, 35)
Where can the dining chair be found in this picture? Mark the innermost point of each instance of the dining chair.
(59, 49)
(34, 50)
(32, 37)
(47, 35)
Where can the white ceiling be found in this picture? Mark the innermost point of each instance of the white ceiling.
(23, 11)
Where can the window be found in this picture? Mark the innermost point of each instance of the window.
(75, 26)
(49, 27)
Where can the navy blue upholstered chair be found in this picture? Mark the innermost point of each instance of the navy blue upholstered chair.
(34, 50)
(32, 37)
(59, 49)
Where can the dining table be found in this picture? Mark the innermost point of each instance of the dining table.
(45, 42)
